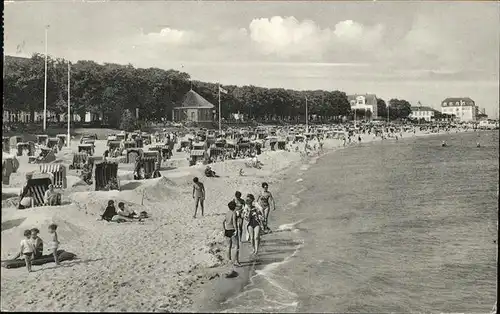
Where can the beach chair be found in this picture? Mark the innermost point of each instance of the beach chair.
(6, 171)
(37, 187)
(42, 139)
(21, 147)
(106, 176)
(62, 140)
(14, 140)
(5, 144)
(132, 154)
(139, 143)
(58, 172)
(87, 148)
(129, 144)
(153, 154)
(53, 142)
(46, 156)
(281, 145)
(79, 159)
(217, 152)
(149, 164)
(95, 159)
(121, 137)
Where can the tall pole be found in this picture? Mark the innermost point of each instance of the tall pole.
(220, 126)
(388, 106)
(355, 117)
(45, 88)
(69, 103)
(307, 118)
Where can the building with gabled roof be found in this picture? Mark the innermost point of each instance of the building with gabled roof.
(194, 108)
(422, 112)
(366, 102)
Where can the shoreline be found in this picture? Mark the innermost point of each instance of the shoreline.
(211, 294)
(187, 273)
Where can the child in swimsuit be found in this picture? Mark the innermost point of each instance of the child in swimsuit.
(54, 244)
(231, 231)
(27, 249)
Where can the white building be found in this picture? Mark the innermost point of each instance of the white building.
(422, 112)
(463, 108)
(367, 102)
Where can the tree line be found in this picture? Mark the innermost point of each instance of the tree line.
(110, 89)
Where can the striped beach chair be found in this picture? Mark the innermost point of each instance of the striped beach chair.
(37, 187)
(58, 172)
(153, 154)
(5, 144)
(149, 164)
(104, 173)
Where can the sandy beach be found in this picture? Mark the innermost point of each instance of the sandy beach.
(169, 262)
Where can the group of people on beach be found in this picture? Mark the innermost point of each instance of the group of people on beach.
(123, 214)
(31, 246)
(247, 214)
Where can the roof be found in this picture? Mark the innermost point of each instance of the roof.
(368, 97)
(193, 100)
(458, 99)
(422, 108)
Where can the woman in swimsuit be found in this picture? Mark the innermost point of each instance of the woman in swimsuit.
(254, 217)
(265, 199)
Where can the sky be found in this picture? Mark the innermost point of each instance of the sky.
(422, 51)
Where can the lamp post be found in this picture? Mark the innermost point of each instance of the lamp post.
(307, 118)
(45, 82)
(69, 104)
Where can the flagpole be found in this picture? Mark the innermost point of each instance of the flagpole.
(45, 89)
(220, 127)
(69, 104)
(307, 118)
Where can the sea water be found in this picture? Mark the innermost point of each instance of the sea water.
(392, 226)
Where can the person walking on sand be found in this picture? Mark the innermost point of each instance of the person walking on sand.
(254, 217)
(240, 204)
(27, 249)
(231, 231)
(265, 199)
(54, 244)
(198, 196)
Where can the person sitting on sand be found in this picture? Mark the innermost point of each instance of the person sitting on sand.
(231, 231)
(209, 172)
(125, 212)
(51, 197)
(110, 214)
(198, 195)
(26, 201)
(37, 242)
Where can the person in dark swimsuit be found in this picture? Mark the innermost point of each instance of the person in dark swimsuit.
(265, 199)
(231, 231)
(110, 211)
(254, 217)
(240, 203)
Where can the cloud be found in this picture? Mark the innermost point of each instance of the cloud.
(289, 37)
(169, 36)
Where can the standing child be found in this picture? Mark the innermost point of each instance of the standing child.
(198, 196)
(231, 231)
(54, 243)
(27, 249)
